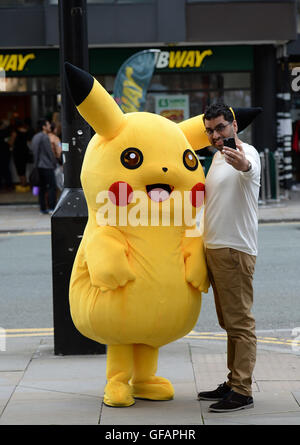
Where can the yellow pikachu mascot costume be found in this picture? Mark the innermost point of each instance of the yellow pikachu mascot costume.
(136, 285)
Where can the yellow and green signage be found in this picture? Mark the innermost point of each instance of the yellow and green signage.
(15, 62)
(45, 62)
(182, 58)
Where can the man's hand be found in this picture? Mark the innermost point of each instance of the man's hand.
(236, 158)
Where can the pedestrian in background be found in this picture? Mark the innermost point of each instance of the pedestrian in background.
(19, 143)
(230, 237)
(5, 155)
(45, 160)
(57, 151)
(55, 142)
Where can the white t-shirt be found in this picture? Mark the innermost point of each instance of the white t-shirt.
(231, 203)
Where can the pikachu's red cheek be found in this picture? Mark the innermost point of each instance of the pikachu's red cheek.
(120, 193)
(197, 195)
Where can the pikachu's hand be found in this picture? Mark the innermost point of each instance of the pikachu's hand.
(200, 282)
(110, 278)
(195, 264)
(107, 259)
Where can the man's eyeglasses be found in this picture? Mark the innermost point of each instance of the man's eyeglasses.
(219, 129)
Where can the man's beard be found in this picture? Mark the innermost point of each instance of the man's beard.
(220, 145)
(220, 140)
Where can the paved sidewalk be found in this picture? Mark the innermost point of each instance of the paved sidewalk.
(39, 388)
(286, 210)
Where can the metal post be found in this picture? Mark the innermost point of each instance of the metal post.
(268, 177)
(263, 181)
(284, 120)
(70, 216)
(276, 159)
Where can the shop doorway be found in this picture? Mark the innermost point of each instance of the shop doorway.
(15, 106)
(25, 107)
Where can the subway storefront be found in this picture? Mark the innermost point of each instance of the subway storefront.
(186, 79)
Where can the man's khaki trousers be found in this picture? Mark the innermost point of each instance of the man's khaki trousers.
(231, 275)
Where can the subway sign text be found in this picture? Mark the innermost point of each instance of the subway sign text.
(15, 62)
(181, 58)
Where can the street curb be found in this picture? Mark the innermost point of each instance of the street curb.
(274, 220)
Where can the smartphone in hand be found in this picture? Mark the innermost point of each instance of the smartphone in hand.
(229, 142)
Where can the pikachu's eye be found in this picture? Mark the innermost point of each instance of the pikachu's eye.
(190, 161)
(132, 158)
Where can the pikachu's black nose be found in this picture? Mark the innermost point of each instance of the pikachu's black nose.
(164, 169)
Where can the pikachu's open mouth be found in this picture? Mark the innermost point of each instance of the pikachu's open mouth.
(159, 192)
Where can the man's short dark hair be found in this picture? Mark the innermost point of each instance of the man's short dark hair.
(41, 122)
(218, 109)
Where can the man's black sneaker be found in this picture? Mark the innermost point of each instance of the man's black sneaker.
(232, 402)
(217, 394)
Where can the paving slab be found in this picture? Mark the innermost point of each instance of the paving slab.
(18, 354)
(277, 366)
(266, 419)
(279, 385)
(71, 374)
(29, 406)
(53, 389)
(8, 384)
(296, 394)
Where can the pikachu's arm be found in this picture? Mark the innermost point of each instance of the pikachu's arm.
(106, 253)
(195, 263)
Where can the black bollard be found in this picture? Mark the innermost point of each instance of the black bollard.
(70, 216)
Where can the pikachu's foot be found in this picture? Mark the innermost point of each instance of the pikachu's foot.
(118, 394)
(156, 388)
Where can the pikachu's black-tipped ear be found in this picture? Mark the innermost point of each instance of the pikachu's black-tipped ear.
(79, 82)
(245, 116)
(93, 102)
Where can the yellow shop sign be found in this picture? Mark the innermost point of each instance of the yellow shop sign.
(15, 62)
(182, 58)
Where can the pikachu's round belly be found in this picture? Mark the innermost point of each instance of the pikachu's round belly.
(155, 309)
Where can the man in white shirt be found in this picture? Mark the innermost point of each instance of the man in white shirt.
(230, 237)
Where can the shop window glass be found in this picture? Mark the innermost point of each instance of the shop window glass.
(134, 1)
(107, 82)
(55, 2)
(16, 3)
(15, 84)
(236, 80)
(240, 99)
(100, 1)
(204, 88)
(201, 90)
(31, 84)
(185, 81)
(228, 1)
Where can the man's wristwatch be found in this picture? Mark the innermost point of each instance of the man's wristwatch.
(249, 167)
